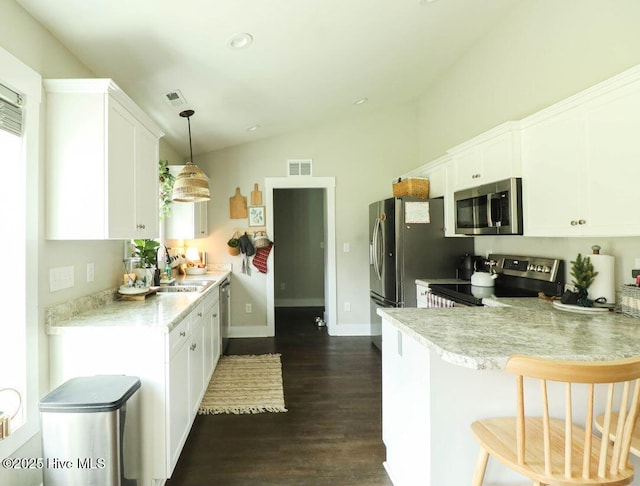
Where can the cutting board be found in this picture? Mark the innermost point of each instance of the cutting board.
(237, 205)
(138, 297)
(256, 196)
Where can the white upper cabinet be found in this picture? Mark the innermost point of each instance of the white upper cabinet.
(102, 163)
(581, 165)
(490, 157)
(186, 220)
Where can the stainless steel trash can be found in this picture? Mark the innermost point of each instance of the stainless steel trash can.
(90, 433)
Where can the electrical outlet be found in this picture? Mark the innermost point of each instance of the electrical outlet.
(346, 247)
(282, 286)
(247, 308)
(91, 272)
(60, 278)
(347, 306)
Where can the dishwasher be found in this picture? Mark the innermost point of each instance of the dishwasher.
(225, 316)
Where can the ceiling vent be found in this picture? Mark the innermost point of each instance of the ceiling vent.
(299, 167)
(175, 98)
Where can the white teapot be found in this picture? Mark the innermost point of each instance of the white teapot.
(483, 279)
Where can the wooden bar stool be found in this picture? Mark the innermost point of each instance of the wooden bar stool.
(555, 450)
(614, 419)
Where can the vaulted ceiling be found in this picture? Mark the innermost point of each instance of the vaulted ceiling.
(306, 61)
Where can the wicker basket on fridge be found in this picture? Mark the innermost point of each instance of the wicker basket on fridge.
(411, 186)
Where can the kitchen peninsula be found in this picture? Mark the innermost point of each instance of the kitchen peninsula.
(443, 369)
(171, 341)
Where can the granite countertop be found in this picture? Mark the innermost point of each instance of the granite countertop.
(158, 313)
(484, 337)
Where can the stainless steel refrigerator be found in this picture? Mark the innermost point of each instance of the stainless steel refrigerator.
(403, 246)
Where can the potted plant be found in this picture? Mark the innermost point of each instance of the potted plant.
(583, 275)
(147, 251)
(234, 245)
(166, 180)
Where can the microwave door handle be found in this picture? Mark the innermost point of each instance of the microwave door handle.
(489, 209)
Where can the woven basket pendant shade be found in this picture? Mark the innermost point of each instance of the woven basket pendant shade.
(191, 184)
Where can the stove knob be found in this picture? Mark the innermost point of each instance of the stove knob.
(546, 269)
(539, 268)
(531, 268)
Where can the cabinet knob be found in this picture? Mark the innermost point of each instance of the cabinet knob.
(183, 333)
(582, 221)
(215, 315)
(140, 226)
(199, 314)
(193, 347)
(574, 222)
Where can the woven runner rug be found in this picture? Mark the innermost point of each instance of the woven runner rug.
(243, 384)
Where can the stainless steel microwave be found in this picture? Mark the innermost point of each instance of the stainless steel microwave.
(490, 209)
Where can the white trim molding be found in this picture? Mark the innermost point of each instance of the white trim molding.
(330, 271)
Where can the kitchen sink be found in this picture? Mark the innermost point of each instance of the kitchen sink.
(189, 286)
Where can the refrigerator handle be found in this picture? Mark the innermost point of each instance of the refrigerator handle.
(376, 250)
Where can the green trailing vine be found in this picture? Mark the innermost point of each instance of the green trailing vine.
(166, 180)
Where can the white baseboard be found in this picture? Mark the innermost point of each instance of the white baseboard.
(248, 332)
(350, 330)
(305, 302)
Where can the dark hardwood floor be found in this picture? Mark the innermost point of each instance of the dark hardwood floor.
(331, 434)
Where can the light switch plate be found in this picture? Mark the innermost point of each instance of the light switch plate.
(60, 278)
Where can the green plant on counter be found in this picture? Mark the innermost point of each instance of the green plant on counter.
(583, 275)
(166, 180)
(147, 251)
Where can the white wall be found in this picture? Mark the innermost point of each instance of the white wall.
(23, 37)
(364, 155)
(543, 52)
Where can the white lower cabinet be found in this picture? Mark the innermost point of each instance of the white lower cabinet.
(405, 407)
(197, 385)
(212, 334)
(175, 369)
(179, 412)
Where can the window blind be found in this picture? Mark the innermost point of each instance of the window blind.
(10, 111)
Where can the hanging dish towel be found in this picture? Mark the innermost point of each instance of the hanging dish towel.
(247, 249)
(260, 258)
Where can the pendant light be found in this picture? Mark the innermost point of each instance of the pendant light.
(191, 184)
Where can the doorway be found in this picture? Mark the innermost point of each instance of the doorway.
(319, 191)
(298, 227)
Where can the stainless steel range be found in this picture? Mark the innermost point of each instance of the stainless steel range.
(516, 276)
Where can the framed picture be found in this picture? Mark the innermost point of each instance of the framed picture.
(256, 216)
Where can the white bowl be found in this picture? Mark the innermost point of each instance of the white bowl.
(196, 271)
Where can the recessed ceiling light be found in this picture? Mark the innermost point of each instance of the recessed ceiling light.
(360, 101)
(253, 128)
(239, 41)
